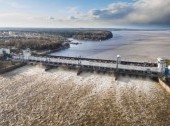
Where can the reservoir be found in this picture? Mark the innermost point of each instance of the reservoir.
(132, 45)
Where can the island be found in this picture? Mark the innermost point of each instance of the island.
(93, 35)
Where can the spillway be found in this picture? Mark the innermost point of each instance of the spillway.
(31, 96)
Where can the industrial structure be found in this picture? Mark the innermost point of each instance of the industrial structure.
(117, 67)
(164, 68)
(159, 71)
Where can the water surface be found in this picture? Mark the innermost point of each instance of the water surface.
(124, 43)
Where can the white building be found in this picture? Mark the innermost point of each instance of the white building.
(161, 64)
(27, 53)
(169, 71)
(2, 50)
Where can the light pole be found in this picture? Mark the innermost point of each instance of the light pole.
(79, 61)
(117, 62)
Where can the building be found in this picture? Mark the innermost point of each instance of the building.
(164, 67)
(161, 64)
(27, 53)
(4, 50)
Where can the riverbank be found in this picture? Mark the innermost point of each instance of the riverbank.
(31, 96)
(7, 66)
(165, 85)
(46, 52)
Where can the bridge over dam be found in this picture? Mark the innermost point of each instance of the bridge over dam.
(144, 64)
(116, 67)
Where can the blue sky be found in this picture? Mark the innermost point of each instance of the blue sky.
(84, 13)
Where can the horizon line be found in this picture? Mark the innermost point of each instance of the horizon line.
(125, 28)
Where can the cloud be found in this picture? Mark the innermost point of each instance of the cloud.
(113, 11)
(139, 12)
(72, 18)
(14, 4)
(51, 18)
(19, 19)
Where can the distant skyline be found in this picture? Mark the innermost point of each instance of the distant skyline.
(85, 13)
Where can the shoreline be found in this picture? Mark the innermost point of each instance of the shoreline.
(11, 68)
(164, 85)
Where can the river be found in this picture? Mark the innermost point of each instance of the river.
(131, 45)
(30, 96)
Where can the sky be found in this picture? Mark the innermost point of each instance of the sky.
(85, 13)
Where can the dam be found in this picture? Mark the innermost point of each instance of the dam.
(117, 67)
(39, 96)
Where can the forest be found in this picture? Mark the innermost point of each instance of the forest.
(93, 35)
